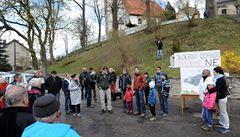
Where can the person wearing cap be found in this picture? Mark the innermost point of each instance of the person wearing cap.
(17, 115)
(46, 112)
(54, 84)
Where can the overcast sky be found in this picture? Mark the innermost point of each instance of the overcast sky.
(59, 44)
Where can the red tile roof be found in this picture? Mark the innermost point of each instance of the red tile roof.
(138, 7)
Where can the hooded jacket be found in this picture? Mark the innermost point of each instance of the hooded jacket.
(41, 129)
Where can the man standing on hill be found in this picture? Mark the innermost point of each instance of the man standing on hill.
(159, 48)
(138, 86)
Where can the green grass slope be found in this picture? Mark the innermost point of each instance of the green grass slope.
(139, 49)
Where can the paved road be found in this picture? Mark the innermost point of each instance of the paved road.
(119, 124)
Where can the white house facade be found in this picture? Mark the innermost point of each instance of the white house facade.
(228, 7)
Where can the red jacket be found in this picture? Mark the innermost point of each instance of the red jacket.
(139, 82)
(3, 86)
(129, 95)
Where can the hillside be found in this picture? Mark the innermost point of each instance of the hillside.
(139, 49)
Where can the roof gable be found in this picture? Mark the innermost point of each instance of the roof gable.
(138, 7)
(16, 42)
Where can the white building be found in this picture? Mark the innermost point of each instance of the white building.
(228, 7)
(181, 15)
(131, 13)
(18, 54)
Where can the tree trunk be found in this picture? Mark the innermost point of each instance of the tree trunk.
(44, 59)
(34, 57)
(84, 25)
(99, 31)
(115, 18)
(211, 7)
(148, 14)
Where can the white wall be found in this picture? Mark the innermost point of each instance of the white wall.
(231, 9)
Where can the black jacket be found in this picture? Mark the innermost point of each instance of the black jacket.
(221, 88)
(104, 81)
(113, 77)
(13, 120)
(159, 44)
(53, 86)
(124, 80)
(85, 79)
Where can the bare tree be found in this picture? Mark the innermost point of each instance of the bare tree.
(13, 18)
(84, 26)
(98, 8)
(148, 14)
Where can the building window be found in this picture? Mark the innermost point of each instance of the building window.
(224, 11)
(139, 21)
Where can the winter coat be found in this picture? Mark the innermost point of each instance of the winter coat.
(152, 97)
(113, 77)
(65, 85)
(203, 87)
(94, 79)
(139, 82)
(75, 92)
(42, 82)
(13, 120)
(129, 95)
(41, 129)
(159, 44)
(124, 80)
(53, 86)
(85, 79)
(3, 86)
(165, 88)
(33, 94)
(157, 79)
(221, 87)
(104, 81)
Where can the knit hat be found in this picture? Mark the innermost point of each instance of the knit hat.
(152, 84)
(45, 106)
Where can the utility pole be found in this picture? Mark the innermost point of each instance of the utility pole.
(14, 52)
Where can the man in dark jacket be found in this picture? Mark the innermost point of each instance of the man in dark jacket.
(17, 116)
(86, 83)
(54, 84)
(103, 83)
(66, 91)
(124, 80)
(113, 84)
(159, 48)
(158, 84)
(93, 76)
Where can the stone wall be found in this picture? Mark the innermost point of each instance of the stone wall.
(234, 83)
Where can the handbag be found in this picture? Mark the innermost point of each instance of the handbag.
(209, 100)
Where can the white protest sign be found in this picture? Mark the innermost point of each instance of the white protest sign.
(197, 59)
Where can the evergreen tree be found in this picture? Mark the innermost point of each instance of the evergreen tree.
(169, 12)
(4, 65)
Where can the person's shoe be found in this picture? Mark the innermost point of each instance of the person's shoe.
(79, 115)
(74, 114)
(218, 125)
(164, 115)
(136, 113)
(206, 128)
(102, 111)
(130, 112)
(125, 111)
(143, 115)
(153, 119)
(67, 112)
(110, 111)
(224, 130)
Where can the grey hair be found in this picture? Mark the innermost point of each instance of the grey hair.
(15, 94)
(46, 119)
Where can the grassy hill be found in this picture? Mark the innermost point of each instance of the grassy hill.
(139, 49)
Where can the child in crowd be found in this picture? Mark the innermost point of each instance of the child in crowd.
(165, 84)
(129, 99)
(208, 105)
(152, 100)
(75, 95)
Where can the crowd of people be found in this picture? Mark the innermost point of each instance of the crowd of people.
(26, 108)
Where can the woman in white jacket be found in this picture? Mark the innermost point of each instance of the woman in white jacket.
(75, 95)
(206, 77)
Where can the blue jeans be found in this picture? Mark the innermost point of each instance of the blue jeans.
(67, 101)
(57, 95)
(159, 54)
(164, 104)
(124, 101)
(89, 96)
(207, 116)
(139, 95)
